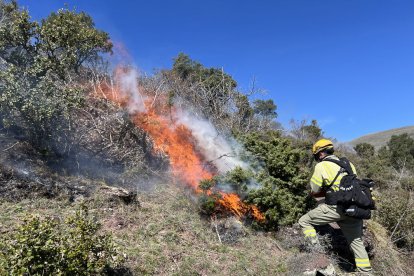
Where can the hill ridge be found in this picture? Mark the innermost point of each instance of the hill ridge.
(379, 139)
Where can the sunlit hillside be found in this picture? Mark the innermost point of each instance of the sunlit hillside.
(380, 139)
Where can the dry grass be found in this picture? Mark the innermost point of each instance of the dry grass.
(167, 236)
(387, 261)
(164, 234)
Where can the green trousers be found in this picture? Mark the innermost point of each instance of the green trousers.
(351, 228)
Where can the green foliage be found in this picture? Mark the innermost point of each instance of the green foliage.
(193, 71)
(244, 110)
(313, 131)
(265, 108)
(207, 184)
(376, 168)
(214, 89)
(401, 149)
(76, 42)
(306, 133)
(365, 150)
(215, 93)
(47, 247)
(238, 179)
(284, 177)
(208, 200)
(370, 164)
(208, 203)
(40, 80)
(16, 32)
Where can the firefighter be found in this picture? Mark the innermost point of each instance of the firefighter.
(325, 172)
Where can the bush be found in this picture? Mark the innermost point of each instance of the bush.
(365, 150)
(396, 215)
(238, 179)
(401, 149)
(208, 200)
(45, 247)
(280, 179)
(283, 175)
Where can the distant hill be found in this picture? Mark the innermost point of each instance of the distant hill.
(380, 139)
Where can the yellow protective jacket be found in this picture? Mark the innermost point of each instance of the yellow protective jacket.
(325, 173)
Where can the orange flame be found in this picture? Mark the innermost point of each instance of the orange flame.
(177, 141)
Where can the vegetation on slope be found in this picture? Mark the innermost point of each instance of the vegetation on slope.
(60, 142)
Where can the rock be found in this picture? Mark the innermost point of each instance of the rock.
(127, 197)
(328, 271)
(310, 272)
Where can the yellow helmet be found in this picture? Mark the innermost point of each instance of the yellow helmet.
(321, 145)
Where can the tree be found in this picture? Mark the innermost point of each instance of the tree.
(77, 42)
(265, 108)
(365, 150)
(401, 148)
(313, 131)
(306, 132)
(214, 93)
(214, 89)
(265, 113)
(41, 78)
(212, 78)
(244, 111)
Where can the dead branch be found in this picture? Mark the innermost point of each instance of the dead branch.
(214, 221)
(6, 149)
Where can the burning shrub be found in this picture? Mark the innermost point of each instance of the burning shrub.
(208, 201)
(280, 184)
(45, 247)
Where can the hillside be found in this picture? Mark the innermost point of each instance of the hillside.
(160, 231)
(108, 171)
(380, 139)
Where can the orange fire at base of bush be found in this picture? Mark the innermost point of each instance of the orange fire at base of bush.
(177, 142)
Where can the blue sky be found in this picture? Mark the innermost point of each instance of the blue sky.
(347, 63)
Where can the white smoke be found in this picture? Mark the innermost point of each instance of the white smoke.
(129, 87)
(222, 153)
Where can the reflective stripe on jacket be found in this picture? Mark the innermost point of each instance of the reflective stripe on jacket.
(325, 173)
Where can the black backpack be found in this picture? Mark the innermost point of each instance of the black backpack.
(354, 194)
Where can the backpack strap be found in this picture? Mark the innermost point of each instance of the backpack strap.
(333, 181)
(345, 167)
(343, 163)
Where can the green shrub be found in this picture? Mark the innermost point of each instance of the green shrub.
(365, 150)
(238, 179)
(281, 178)
(283, 175)
(208, 203)
(45, 247)
(208, 200)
